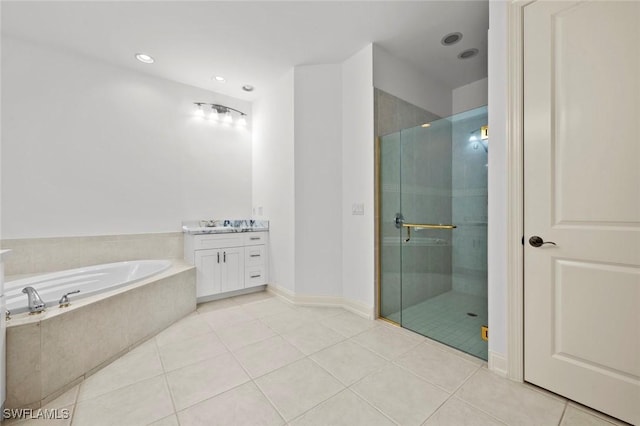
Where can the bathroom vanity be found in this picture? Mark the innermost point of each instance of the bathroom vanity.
(227, 258)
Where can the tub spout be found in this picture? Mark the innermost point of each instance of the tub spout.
(36, 304)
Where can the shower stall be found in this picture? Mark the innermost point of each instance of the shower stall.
(432, 219)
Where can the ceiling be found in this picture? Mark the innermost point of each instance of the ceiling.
(256, 42)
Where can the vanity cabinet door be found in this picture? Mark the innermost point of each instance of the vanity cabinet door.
(208, 272)
(232, 268)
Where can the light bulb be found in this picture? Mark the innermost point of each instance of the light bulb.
(199, 112)
(242, 121)
(228, 118)
(214, 114)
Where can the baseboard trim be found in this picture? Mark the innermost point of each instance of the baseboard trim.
(357, 308)
(498, 364)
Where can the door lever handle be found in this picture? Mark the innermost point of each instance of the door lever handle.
(536, 241)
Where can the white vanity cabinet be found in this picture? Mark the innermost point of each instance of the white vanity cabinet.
(227, 262)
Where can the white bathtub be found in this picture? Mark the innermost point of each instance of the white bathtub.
(90, 280)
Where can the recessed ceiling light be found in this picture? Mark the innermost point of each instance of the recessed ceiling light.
(425, 125)
(248, 88)
(142, 57)
(219, 79)
(469, 53)
(451, 38)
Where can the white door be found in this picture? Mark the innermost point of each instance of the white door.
(582, 191)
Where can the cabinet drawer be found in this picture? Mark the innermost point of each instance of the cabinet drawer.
(254, 255)
(209, 241)
(255, 275)
(251, 238)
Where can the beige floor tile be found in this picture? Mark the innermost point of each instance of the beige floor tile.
(456, 352)
(348, 361)
(320, 312)
(171, 420)
(216, 305)
(312, 338)
(148, 345)
(510, 402)
(197, 382)
(253, 297)
(141, 403)
(387, 342)
(190, 351)
(66, 399)
(437, 366)
(127, 370)
(454, 412)
(184, 329)
(298, 387)
(222, 318)
(349, 324)
(244, 405)
(347, 409)
(596, 413)
(287, 321)
(576, 417)
(399, 394)
(263, 357)
(239, 335)
(267, 307)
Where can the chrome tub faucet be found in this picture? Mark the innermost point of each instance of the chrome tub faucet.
(64, 300)
(36, 304)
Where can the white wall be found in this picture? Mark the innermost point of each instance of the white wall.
(318, 180)
(401, 79)
(358, 178)
(497, 208)
(273, 176)
(469, 96)
(93, 149)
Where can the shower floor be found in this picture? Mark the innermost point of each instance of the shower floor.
(445, 318)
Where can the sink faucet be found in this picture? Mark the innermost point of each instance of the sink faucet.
(35, 301)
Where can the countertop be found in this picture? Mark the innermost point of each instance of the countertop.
(228, 226)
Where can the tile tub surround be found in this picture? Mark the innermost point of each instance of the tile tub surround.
(49, 352)
(190, 375)
(39, 255)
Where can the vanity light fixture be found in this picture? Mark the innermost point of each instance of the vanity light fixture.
(200, 110)
(220, 79)
(220, 112)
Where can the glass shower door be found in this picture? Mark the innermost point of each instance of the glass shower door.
(433, 247)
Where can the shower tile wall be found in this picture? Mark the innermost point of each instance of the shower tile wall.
(469, 202)
(426, 198)
(394, 114)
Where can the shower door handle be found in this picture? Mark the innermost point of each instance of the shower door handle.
(425, 226)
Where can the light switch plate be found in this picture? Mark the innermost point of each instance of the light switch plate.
(357, 209)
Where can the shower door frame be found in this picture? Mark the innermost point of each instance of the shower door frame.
(378, 224)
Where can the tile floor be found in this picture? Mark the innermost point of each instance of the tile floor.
(256, 360)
